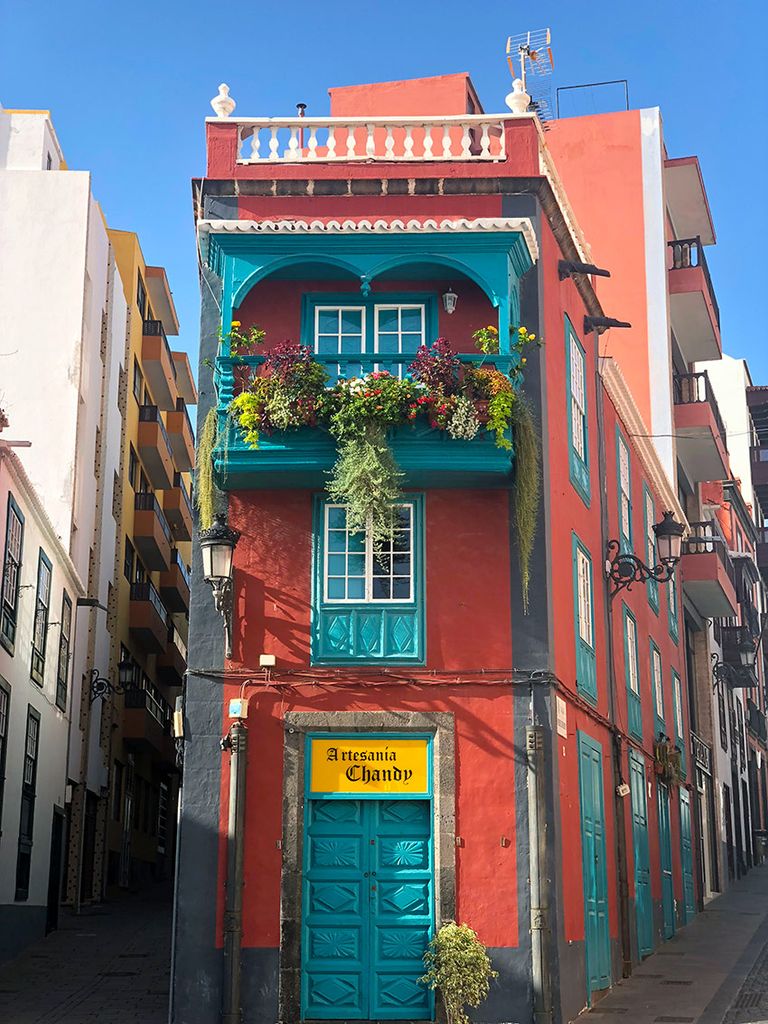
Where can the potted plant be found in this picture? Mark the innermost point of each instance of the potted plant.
(459, 967)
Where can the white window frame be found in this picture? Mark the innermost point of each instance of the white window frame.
(368, 598)
(658, 683)
(625, 496)
(630, 627)
(328, 356)
(585, 597)
(650, 536)
(578, 399)
(399, 306)
(677, 698)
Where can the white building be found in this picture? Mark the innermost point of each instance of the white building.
(38, 600)
(62, 370)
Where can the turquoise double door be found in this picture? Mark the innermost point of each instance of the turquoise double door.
(594, 870)
(367, 909)
(643, 901)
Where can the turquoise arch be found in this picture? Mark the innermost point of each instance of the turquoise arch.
(495, 261)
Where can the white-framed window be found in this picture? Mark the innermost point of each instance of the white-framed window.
(677, 696)
(584, 583)
(578, 400)
(658, 686)
(398, 330)
(632, 673)
(354, 573)
(340, 330)
(625, 492)
(650, 536)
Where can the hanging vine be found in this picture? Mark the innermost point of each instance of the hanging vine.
(527, 489)
(205, 489)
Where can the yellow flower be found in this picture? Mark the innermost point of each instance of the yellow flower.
(235, 323)
(532, 337)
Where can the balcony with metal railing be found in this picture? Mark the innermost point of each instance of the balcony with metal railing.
(158, 365)
(148, 618)
(172, 663)
(151, 532)
(756, 722)
(707, 571)
(155, 447)
(177, 506)
(693, 306)
(146, 724)
(699, 427)
(175, 584)
(181, 436)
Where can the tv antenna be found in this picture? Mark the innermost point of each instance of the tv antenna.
(533, 52)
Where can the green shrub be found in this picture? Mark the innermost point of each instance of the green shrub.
(459, 967)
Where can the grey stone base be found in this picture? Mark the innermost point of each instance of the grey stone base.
(20, 925)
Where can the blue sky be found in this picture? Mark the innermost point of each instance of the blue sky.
(129, 85)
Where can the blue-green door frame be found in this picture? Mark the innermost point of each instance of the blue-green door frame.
(665, 859)
(643, 902)
(686, 856)
(594, 869)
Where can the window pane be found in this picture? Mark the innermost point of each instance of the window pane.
(382, 565)
(337, 565)
(401, 588)
(388, 319)
(412, 318)
(327, 321)
(336, 589)
(336, 540)
(356, 542)
(356, 565)
(356, 589)
(381, 588)
(337, 518)
(327, 345)
(351, 321)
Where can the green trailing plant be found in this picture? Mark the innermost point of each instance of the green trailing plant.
(366, 479)
(527, 490)
(243, 343)
(459, 967)
(205, 489)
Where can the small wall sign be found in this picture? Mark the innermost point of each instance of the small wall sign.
(562, 716)
(368, 766)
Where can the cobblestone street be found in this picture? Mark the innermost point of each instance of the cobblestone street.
(715, 971)
(110, 964)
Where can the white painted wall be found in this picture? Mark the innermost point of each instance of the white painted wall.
(659, 329)
(730, 378)
(15, 672)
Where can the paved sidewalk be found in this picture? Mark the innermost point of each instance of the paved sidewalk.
(714, 971)
(110, 964)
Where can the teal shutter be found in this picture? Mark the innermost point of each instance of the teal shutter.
(346, 631)
(632, 674)
(657, 685)
(584, 620)
(686, 856)
(672, 608)
(677, 697)
(578, 413)
(665, 857)
(594, 871)
(643, 901)
(624, 491)
(649, 518)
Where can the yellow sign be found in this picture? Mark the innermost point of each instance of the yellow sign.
(366, 765)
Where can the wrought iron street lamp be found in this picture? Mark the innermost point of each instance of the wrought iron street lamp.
(623, 568)
(217, 545)
(101, 687)
(743, 674)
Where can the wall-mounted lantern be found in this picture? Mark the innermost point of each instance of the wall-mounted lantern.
(101, 687)
(450, 298)
(623, 568)
(217, 545)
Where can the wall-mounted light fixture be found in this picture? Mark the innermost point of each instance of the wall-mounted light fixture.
(217, 545)
(624, 568)
(101, 687)
(450, 298)
(737, 675)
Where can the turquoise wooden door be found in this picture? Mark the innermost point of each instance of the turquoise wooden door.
(686, 856)
(367, 909)
(665, 856)
(643, 904)
(595, 878)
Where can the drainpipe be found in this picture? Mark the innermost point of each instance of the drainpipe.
(236, 743)
(539, 887)
(618, 777)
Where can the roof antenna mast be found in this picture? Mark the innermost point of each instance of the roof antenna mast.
(534, 55)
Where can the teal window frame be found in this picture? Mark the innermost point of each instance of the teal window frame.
(678, 715)
(312, 300)
(10, 589)
(369, 631)
(652, 586)
(672, 619)
(41, 617)
(632, 662)
(657, 690)
(586, 660)
(578, 465)
(625, 538)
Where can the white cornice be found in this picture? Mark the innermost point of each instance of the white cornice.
(31, 499)
(619, 393)
(379, 226)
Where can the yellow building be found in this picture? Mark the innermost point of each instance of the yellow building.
(152, 583)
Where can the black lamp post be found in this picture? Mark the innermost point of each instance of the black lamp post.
(623, 568)
(217, 545)
(101, 687)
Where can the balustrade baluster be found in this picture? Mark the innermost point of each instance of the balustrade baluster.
(255, 144)
(427, 141)
(389, 144)
(370, 142)
(408, 145)
(274, 145)
(485, 143)
(331, 142)
(446, 142)
(466, 141)
(293, 152)
(312, 143)
(351, 143)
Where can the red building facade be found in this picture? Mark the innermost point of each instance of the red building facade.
(551, 783)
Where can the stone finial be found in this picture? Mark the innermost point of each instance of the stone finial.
(518, 100)
(223, 104)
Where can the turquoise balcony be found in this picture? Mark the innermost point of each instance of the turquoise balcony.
(302, 458)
